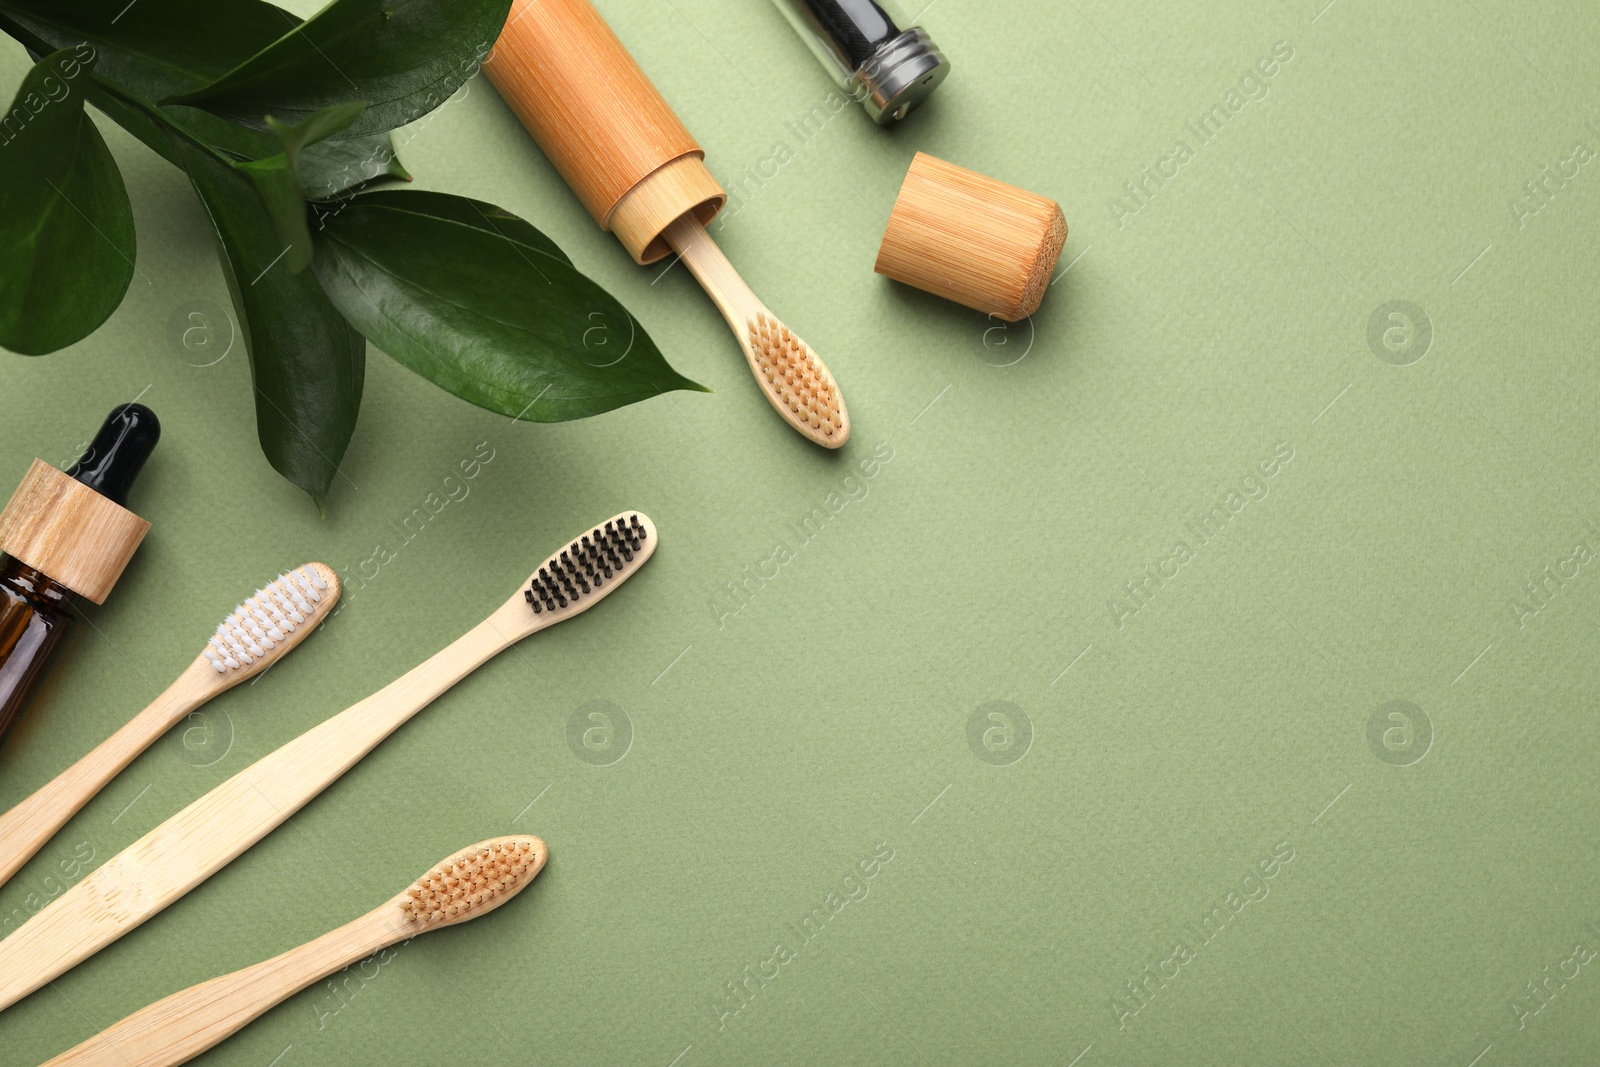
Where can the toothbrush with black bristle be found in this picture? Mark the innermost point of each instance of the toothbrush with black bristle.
(257, 634)
(177, 1028)
(201, 839)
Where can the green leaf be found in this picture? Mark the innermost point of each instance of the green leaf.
(328, 169)
(156, 49)
(149, 51)
(467, 295)
(306, 361)
(66, 229)
(404, 57)
(478, 214)
(275, 177)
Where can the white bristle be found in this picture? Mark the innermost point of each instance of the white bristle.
(249, 642)
(267, 618)
(288, 609)
(307, 588)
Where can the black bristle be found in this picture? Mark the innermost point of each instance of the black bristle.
(586, 564)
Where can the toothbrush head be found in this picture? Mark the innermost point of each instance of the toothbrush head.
(796, 382)
(590, 567)
(271, 621)
(474, 881)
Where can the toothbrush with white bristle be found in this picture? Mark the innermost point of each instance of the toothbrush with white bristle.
(256, 634)
(211, 832)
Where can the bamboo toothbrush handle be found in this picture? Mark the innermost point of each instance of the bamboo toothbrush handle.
(737, 301)
(25, 828)
(194, 844)
(179, 1027)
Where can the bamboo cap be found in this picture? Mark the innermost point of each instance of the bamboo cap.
(58, 525)
(966, 237)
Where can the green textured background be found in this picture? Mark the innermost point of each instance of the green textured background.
(1035, 469)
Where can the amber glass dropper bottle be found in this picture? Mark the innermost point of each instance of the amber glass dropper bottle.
(66, 533)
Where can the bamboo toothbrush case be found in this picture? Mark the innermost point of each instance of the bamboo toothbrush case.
(967, 237)
(600, 121)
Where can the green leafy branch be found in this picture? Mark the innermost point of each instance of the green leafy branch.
(283, 128)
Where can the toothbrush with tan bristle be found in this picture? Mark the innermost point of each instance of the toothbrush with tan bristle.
(258, 633)
(173, 1030)
(643, 177)
(201, 839)
(791, 376)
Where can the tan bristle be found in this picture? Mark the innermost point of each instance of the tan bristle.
(802, 384)
(473, 880)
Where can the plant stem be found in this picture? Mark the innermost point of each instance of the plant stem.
(156, 115)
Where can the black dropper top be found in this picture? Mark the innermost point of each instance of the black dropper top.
(117, 453)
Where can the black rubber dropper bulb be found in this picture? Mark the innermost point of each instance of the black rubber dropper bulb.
(117, 454)
(36, 609)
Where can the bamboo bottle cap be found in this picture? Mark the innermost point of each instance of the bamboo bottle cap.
(58, 525)
(966, 237)
(601, 122)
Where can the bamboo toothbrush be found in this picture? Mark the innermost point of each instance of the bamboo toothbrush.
(259, 632)
(791, 376)
(174, 1030)
(198, 841)
(642, 176)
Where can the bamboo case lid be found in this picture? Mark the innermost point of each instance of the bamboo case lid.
(60, 526)
(604, 126)
(972, 239)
